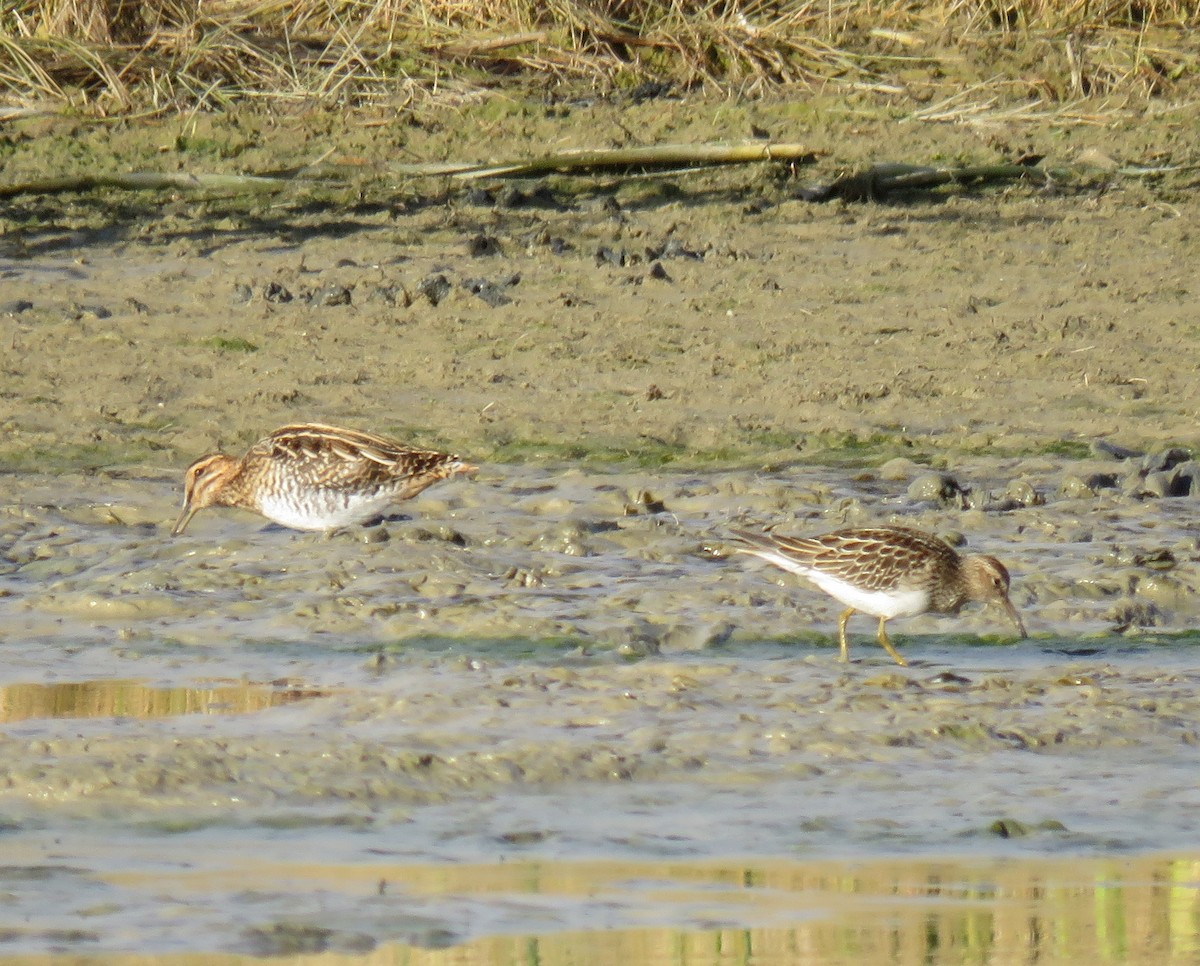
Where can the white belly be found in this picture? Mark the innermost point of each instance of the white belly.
(330, 511)
(877, 603)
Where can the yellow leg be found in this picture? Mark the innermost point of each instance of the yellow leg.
(887, 644)
(845, 655)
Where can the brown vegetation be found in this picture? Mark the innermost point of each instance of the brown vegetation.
(116, 56)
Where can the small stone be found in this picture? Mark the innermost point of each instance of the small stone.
(514, 198)
(1101, 447)
(674, 248)
(1162, 590)
(1073, 488)
(393, 295)
(483, 246)
(276, 292)
(1009, 828)
(1156, 560)
(1155, 485)
(1023, 494)
(1164, 459)
(615, 257)
(694, 637)
(435, 288)
(487, 290)
(936, 488)
(1097, 588)
(1185, 479)
(1130, 614)
(899, 468)
(79, 311)
(647, 502)
(332, 295)
(440, 532)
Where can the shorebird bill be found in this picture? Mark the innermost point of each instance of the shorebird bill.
(1011, 611)
(185, 518)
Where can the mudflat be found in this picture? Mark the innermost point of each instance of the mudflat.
(454, 727)
(690, 319)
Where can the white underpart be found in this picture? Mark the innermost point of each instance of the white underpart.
(898, 602)
(336, 509)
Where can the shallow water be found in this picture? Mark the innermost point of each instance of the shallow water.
(537, 708)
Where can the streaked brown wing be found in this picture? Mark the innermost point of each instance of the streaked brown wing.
(347, 457)
(877, 558)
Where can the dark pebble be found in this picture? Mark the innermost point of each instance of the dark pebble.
(1102, 448)
(1129, 615)
(448, 534)
(275, 292)
(15, 307)
(435, 288)
(1073, 488)
(95, 311)
(657, 271)
(491, 292)
(949, 677)
(1140, 485)
(539, 197)
(1164, 460)
(1186, 479)
(482, 246)
(936, 487)
(332, 295)
(390, 295)
(514, 198)
(481, 198)
(1022, 493)
(543, 197)
(1161, 559)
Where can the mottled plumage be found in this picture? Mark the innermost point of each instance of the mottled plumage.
(886, 572)
(315, 477)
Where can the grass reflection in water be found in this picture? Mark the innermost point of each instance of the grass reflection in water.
(136, 699)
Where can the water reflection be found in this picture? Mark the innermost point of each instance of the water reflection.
(1049, 911)
(136, 699)
(1058, 911)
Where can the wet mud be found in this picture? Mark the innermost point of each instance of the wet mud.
(554, 664)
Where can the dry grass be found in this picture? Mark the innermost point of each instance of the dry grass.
(117, 56)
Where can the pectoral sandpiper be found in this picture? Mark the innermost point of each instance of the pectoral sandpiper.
(886, 572)
(314, 477)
